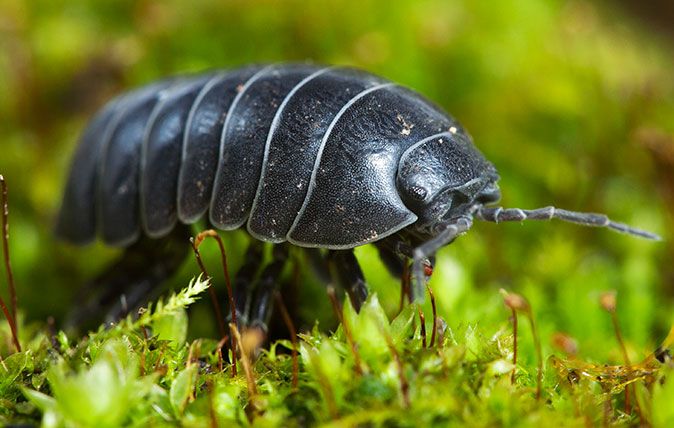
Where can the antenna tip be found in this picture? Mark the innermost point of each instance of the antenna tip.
(646, 235)
(655, 237)
(623, 228)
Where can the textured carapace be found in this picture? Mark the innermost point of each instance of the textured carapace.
(295, 152)
(325, 157)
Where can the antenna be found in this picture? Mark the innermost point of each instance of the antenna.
(499, 214)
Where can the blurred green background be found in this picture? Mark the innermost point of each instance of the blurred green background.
(572, 101)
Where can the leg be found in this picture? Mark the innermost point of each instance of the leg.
(349, 275)
(318, 264)
(393, 259)
(132, 279)
(395, 251)
(261, 309)
(423, 253)
(245, 279)
(396, 263)
(498, 214)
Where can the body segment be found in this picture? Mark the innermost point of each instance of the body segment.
(293, 144)
(203, 134)
(117, 203)
(161, 156)
(243, 142)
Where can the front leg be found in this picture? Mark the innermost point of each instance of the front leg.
(447, 233)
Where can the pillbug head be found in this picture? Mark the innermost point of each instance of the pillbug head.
(442, 177)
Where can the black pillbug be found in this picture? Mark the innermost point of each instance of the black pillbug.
(318, 157)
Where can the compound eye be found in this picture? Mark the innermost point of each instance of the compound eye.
(418, 193)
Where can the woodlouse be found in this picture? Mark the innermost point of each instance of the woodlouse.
(317, 157)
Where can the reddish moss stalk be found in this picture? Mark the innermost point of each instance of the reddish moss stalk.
(539, 355)
(404, 383)
(347, 330)
(435, 315)
(626, 358)
(221, 344)
(10, 315)
(196, 242)
(246, 362)
(518, 303)
(422, 320)
(293, 337)
(512, 375)
(609, 302)
(193, 358)
(212, 416)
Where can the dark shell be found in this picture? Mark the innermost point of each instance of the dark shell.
(299, 152)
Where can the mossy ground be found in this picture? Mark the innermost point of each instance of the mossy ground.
(143, 372)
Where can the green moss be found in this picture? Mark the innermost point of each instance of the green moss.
(127, 375)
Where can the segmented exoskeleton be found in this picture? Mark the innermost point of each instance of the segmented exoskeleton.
(318, 157)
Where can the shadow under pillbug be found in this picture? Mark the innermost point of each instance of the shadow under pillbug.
(317, 157)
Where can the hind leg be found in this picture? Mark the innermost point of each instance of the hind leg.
(349, 276)
(244, 282)
(268, 283)
(131, 280)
